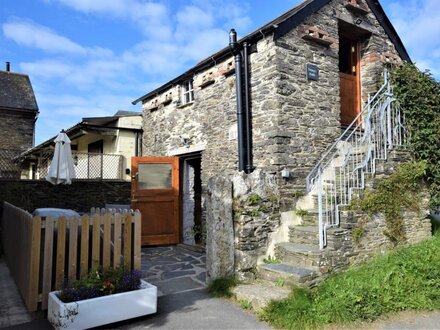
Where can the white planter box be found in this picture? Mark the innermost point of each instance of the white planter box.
(102, 310)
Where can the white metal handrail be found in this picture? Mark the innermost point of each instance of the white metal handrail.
(343, 168)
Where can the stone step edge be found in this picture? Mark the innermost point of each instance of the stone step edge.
(259, 293)
(304, 249)
(287, 270)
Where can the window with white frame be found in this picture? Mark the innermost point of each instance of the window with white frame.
(187, 92)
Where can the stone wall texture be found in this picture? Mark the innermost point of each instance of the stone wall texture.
(294, 120)
(80, 196)
(346, 249)
(256, 215)
(309, 111)
(220, 232)
(16, 130)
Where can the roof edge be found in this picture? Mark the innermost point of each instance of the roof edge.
(281, 25)
(383, 19)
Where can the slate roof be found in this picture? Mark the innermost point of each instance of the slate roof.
(125, 113)
(280, 26)
(16, 92)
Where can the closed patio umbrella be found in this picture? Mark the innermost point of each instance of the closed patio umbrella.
(61, 170)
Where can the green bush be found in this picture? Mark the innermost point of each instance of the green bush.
(398, 192)
(408, 278)
(418, 94)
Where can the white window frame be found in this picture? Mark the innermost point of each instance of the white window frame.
(187, 92)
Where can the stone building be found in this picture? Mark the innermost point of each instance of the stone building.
(18, 114)
(303, 79)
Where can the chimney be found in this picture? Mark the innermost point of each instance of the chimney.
(8, 66)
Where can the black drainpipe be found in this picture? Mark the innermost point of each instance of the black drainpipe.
(240, 128)
(247, 108)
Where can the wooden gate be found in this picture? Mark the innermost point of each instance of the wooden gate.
(155, 192)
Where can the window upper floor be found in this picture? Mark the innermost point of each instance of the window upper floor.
(187, 92)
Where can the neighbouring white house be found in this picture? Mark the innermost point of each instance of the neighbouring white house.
(102, 148)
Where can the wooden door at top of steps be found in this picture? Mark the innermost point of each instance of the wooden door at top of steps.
(349, 75)
(155, 192)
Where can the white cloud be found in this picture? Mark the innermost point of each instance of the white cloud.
(152, 18)
(417, 23)
(30, 34)
(34, 35)
(95, 81)
(47, 69)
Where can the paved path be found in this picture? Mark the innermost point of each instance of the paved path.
(179, 273)
(12, 308)
(174, 269)
(196, 309)
(407, 320)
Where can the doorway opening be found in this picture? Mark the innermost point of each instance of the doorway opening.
(349, 75)
(193, 230)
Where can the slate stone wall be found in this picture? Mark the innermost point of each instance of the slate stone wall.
(175, 129)
(80, 196)
(294, 120)
(345, 248)
(309, 113)
(16, 136)
(256, 216)
(16, 130)
(220, 229)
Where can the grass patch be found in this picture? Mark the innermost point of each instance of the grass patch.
(245, 304)
(221, 287)
(408, 278)
(301, 212)
(271, 260)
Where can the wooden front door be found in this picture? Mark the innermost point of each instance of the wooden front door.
(155, 192)
(349, 74)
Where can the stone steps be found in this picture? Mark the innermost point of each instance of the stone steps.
(288, 274)
(260, 293)
(302, 262)
(301, 255)
(304, 234)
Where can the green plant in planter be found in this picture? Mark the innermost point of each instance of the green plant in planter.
(101, 283)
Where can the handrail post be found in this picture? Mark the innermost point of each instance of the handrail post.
(320, 215)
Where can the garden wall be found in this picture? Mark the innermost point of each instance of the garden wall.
(80, 196)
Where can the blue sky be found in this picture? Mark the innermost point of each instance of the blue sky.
(91, 58)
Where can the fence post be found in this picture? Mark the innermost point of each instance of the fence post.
(61, 253)
(34, 269)
(137, 240)
(117, 240)
(84, 263)
(48, 259)
(127, 240)
(106, 240)
(96, 221)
